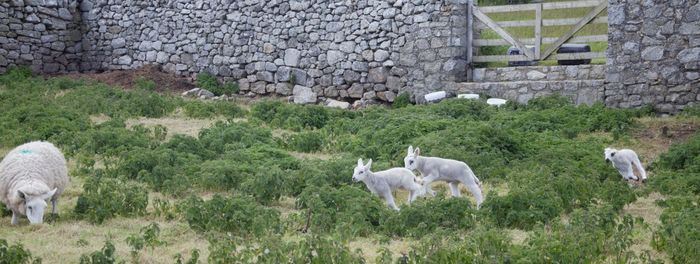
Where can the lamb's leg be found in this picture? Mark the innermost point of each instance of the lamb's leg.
(390, 201)
(476, 191)
(630, 173)
(14, 218)
(54, 209)
(426, 184)
(455, 189)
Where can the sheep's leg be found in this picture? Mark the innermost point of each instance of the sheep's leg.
(426, 184)
(54, 209)
(14, 218)
(390, 201)
(630, 173)
(476, 191)
(455, 189)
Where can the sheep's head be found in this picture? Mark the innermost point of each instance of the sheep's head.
(361, 170)
(609, 154)
(410, 160)
(34, 205)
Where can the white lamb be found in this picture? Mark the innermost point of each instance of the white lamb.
(29, 175)
(623, 160)
(384, 182)
(438, 169)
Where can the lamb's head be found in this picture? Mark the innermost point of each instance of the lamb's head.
(609, 154)
(410, 160)
(361, 170)
(33, 205)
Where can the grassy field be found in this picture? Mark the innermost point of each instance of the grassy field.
(158, 176)
(547, 31)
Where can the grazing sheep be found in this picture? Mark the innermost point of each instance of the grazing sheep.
(383, 183)
(438, 169)
(622, 160)
(29, 175)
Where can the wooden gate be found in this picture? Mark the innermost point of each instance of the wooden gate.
(544, 47)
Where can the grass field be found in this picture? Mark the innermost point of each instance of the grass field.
(159, 176)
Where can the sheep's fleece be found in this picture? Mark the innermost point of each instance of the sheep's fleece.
(34, 168)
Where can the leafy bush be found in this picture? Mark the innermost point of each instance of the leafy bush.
(347, 210)
(523, 208)
(402, 100)
(148, 237)
(209, 82)
(238, 215)
(145, 84)
(483, 245)
(308, 141)
(266, 185)
(312, 249)
(680, 229)
(104, 256)
(104, 198)
(425, 215)
(11, 254)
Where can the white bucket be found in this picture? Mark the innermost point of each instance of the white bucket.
(468, 96)
(496, 101)
(431, 97)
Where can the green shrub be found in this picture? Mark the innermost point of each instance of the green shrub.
(148, 237)
(104, 198)
(483, 245)
(11, 254)
(266, 184)
(194, 258)
(402, 100)
(425, 215)
(210, 82)
(145, 84)
(238, 215)
(104, 256)
(307, 141)
(311, 249)
(523, 208)
(4, 211)
(347, 210)
(293, 117)
(680, 229)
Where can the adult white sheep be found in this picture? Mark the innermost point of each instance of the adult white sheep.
(29, 175)
(439, 169)
(623, 160)
(382, 183)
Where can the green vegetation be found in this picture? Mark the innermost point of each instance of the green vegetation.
(12, 254)
(275, 184)
(210, 82)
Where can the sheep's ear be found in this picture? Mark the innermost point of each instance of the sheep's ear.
(49, 194)
(22, 195)
(410, 150)
(369, 164)
(359, 162)
(417, 152)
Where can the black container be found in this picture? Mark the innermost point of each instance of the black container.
(574, 48)
(515, 51)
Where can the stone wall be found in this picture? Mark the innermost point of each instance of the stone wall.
(372, 49)
(582, 83)
(44, 34)
(653, 54)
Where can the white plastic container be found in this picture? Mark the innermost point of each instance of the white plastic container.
(496, 101)
(436, 96)
(468, 96)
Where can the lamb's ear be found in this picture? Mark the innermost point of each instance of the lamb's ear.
(359, 162)
(49, 194)
(22, 195)
(369, 164)
(417, 152)
(410, 150)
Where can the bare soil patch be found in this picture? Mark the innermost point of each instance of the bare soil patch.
(126, 79)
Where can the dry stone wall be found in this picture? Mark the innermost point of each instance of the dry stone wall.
(371, 49)
(653, 54)
(44, 34)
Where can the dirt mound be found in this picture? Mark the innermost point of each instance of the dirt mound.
(127, 79)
